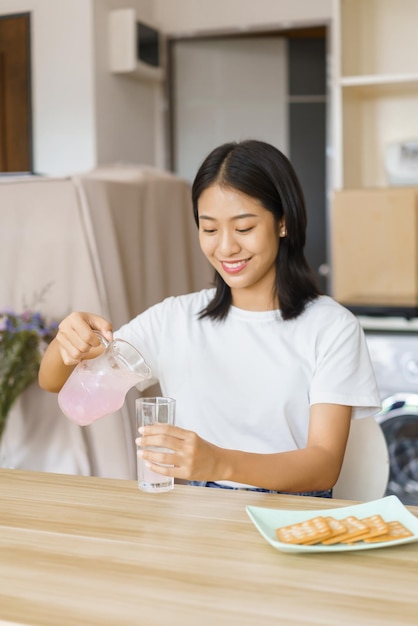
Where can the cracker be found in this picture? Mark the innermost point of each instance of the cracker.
(308, 532)
(354, 528)
(337, 526)
(349, 530)
(376, 526)
(396, 530)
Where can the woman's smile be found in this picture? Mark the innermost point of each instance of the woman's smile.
(233, 267)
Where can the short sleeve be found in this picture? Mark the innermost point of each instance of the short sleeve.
(344, 372)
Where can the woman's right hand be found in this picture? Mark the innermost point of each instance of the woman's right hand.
(75, 340)
(77, 336)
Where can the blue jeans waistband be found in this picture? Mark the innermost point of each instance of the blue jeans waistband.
(317, 494)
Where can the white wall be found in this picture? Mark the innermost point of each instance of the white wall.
(186, 16)
(62, 83)
(129, 114)
(83, 115)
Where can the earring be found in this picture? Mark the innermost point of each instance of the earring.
(283, 232)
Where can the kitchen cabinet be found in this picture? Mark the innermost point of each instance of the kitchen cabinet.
(374, 94)
(375, 250)
(374, 86)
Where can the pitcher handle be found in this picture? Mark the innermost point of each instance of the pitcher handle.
(105, 343)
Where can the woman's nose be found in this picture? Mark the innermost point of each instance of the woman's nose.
(228, 244)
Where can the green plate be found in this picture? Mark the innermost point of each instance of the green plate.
(390, 508)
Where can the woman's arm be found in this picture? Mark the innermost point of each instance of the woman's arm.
(76, 340)
(313, 468)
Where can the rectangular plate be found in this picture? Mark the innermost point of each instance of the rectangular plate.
(390, 508)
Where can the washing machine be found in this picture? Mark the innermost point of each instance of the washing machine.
(395, 361)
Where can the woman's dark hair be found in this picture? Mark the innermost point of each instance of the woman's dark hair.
(264, 173)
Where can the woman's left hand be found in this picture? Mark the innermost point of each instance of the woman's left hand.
(191, 457)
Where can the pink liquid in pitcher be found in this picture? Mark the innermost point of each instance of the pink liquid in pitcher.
(88, 395)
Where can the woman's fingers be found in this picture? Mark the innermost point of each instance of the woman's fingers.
(77, 335)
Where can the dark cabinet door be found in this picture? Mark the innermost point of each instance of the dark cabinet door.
(308, 134)
(15, 94)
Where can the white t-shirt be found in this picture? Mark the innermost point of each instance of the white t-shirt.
(247, 383)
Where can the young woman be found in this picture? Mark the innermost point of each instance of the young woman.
(267, 373)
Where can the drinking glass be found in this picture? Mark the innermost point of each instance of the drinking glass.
(157, 410)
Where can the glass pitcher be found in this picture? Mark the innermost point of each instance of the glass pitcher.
(97, 387)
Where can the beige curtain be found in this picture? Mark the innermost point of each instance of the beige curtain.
(112, 241)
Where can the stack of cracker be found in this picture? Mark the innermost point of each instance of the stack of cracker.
(329, 531)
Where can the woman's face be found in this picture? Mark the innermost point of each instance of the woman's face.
(240, 238)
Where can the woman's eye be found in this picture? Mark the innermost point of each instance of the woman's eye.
(209, 230)
(244, 230)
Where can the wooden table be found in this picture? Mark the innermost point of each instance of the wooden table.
(81, 550)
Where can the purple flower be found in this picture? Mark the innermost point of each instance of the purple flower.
(23, 338)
